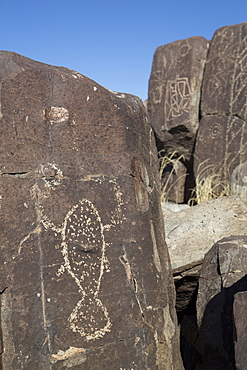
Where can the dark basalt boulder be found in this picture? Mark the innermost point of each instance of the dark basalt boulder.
(174, 93)
(224, 89)
(220, 301)
(240, 325)
(221, 140)
(220, 147)
(85, 272)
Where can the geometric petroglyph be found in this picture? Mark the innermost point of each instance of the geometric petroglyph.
(178, 97)
(215, 130)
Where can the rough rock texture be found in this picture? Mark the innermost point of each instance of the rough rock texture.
(220, 146)
(173, 182)
(191, 232)
(174, 92)
(223, 275)
(240, 324)
(224, 90)
(85, 275)
(222, 135)
(174, 207)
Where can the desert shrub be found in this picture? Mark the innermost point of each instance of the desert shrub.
(209, 183)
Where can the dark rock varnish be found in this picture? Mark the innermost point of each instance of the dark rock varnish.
(220, 146)
(85, 273)
(174, 93)
(224, 89)
(221, 304)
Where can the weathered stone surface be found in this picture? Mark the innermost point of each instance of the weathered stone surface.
(239, 181)
(220, 146)
(240, 324)
(224, 89)
(173, 182)
(174, 92)
(85, 274)
(174, 207)
(191, 232)
(223, 274)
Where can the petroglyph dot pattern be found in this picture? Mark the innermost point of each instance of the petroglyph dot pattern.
(83, 248)
(215, 130)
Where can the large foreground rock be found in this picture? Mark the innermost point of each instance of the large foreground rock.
(85, 274)
(221, 304)
(174, 93)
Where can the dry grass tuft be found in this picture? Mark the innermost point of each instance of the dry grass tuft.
(209, 184)
(168, 160)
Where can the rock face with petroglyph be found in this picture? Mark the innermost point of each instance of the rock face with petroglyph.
(85, 275)
(220, 146)
(224, 90)
(221, 141)
(174, 92)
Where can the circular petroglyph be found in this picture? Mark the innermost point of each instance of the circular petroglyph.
(184, 50)
(215, 130)
(51, 175)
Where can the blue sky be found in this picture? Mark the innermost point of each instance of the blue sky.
(112, 42)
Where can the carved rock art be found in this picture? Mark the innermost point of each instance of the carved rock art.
(84, 251)
(83, 247)
(178, 97)
(224, 89)
(220, 146)
(174, 92)
(83, 287)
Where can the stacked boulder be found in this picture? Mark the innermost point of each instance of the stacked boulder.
(197, 106)
(174, 98)
(197, 103)
(222, 135)
(221, 305)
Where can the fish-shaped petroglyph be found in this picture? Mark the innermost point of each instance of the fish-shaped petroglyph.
(83, 248)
